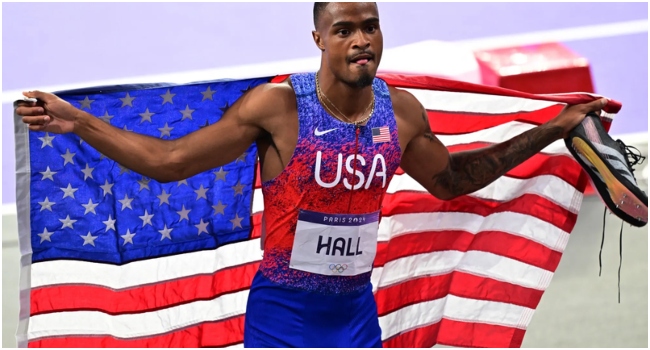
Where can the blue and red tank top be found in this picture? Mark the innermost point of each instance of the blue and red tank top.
(336, 168)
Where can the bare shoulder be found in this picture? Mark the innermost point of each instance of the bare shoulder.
(267, 101)
(411, 116)
(405, 105)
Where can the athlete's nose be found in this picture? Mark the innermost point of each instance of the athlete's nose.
(361, 40)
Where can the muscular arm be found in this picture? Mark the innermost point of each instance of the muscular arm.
(172, 160)
(470, 171)
(447, 176)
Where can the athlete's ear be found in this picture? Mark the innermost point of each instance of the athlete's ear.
(318, 40)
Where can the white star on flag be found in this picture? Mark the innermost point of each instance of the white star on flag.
(47, 140)
(128, 237)
(144, 183)
(89, 239)
(46, 204)
(164, 197)
(236, 222)
(187, 113)
(165, 131)
(183, 213)
(48, 174)
(85, 103)
(202, 226)
(90, 207)
(168, 97)
(67, 222)
(69, 191)
(166, 233)
(146, 218)
(146, 116)
(127, 100)
(68, 157)
(107, 188)
(126, 202)
(200, 193)
(45, 236)
(110, 223)
(88, 172)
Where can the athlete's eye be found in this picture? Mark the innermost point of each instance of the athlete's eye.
(343, 32)
(371, 29)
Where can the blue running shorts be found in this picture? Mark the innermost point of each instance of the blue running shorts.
(278, 316)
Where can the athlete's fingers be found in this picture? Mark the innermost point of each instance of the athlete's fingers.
(43, 96)
(26, 103)
(594, 106)
(37, 120)
(30, 110)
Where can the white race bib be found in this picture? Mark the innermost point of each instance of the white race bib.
(335, 244)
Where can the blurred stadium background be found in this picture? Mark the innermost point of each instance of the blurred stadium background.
(600, 47)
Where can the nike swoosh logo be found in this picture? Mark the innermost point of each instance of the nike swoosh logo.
(321, 133)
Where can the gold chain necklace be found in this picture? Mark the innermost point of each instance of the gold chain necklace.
(321, 95)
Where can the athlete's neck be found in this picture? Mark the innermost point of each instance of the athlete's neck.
(351, 101)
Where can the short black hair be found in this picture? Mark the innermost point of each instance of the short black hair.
(318, 11)
(319, 7)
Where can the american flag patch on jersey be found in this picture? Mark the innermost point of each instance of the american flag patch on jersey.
(380, 134)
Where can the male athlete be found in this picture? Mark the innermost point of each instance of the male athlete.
(321, 220)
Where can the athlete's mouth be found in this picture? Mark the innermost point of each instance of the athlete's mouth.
(362, 59)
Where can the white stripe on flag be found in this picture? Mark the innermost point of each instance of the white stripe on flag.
(477, 263)
(500, 134)
(465, 102)
(507, 188)
(140, 324)
(134, 274)
(472, 310)
(411, 317)
(504, 269)
(258, 201)
(455, 308)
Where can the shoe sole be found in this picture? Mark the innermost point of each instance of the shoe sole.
(620, 196)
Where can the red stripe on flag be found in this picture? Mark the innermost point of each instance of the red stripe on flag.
(422, 337)
(465, 285)
(460, 334)
(420, 243)
(279, 78)
(529, 204)
(209, 334)
(494, 242)
(256, 220)
(466, 334)
(258, 177)
(481, 288)
(144, 298)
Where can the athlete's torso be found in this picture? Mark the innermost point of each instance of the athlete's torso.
(336, 178)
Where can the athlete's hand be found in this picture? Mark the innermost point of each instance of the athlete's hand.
(49, 113)
(573, 115)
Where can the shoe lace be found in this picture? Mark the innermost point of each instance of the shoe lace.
(632, 155)
(620, 252)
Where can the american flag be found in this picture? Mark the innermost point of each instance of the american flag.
(114, 259)
(380, 134)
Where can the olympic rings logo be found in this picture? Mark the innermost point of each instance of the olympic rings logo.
(338, 267)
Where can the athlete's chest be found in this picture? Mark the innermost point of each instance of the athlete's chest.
(355, 157)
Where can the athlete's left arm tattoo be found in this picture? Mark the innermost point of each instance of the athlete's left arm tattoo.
(470, 171)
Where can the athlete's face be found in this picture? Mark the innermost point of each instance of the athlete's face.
(351, 41)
